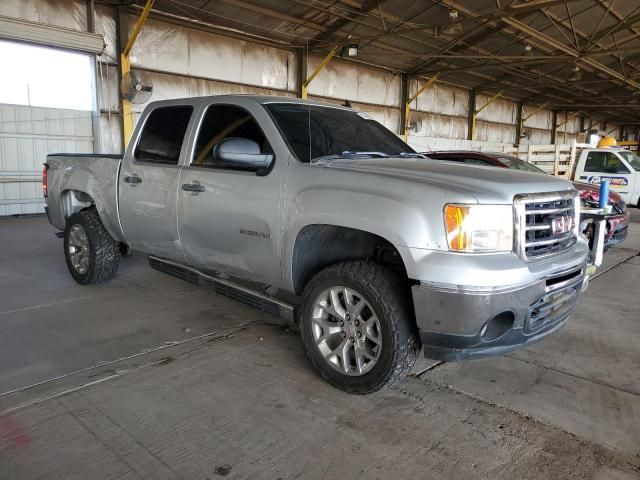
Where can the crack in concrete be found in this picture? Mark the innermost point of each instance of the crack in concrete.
(573, 375)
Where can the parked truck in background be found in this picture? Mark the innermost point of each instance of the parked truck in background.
(619, 166)
(382, 250)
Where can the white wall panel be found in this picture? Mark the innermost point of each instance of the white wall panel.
(167, 86)
(493, 132)
(434, 125)
(440, 98)
(500, 110)
(351, 81)
(61, 13)
(540, 119)
(177, 49)
(110, 133)
(27, 135)
(105, 22)
(537, 137)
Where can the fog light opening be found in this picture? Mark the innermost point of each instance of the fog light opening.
(497, 326)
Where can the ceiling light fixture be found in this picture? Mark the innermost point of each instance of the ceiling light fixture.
(528, 51)
(576, 75)
(454, 25)
(350, 50)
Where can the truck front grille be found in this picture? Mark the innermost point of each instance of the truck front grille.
(545, 223)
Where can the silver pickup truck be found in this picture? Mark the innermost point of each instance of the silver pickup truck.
(381, 250)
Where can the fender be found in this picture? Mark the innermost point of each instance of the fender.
(403, 225)
(86, 178)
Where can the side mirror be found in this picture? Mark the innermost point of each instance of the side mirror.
(241, 153)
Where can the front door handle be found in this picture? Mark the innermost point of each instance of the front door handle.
(133, 179)
(194, 187)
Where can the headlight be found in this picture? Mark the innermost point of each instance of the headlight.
(479, 228)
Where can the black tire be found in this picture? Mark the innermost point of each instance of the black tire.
(104, 251)
(388, 295)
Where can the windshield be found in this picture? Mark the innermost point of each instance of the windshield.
(632, 159)
(314, 131)
(517, 164)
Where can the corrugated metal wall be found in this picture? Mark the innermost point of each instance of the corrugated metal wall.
(187, 61)
(27, 135)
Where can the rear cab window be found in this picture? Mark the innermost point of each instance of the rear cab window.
(163, 134)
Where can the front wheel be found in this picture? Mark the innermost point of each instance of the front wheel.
(357, 327)
(92, 255)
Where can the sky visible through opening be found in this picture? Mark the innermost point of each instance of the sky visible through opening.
(45, 77)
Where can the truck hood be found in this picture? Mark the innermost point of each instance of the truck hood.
(486, 184)
(591, 193)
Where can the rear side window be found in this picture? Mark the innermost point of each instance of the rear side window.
(162, 136)
(606, 162)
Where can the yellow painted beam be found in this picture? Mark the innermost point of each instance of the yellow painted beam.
(567, 119)
(478, 110)
(125, 67)
(534, 112)
(138, 27)
(407, 109)
(317, 70)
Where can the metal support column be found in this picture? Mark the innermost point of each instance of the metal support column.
(519, 124)
(404, 95)
(95, 114)
(301, 70)
(471, 115)
(554, 126)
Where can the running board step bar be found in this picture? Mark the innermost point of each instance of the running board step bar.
(227, 288)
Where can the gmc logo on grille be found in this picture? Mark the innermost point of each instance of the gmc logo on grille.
(560, 225)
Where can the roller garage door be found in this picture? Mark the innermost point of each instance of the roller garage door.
(27, 135)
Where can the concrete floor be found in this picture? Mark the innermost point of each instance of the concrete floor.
(151, 377)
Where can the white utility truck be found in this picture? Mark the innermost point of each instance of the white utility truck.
(619, 166)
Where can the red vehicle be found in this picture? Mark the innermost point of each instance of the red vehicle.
(617, 221)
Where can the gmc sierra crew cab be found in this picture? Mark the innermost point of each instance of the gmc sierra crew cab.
(381, 250)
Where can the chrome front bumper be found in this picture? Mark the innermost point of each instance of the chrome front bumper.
(457, 323)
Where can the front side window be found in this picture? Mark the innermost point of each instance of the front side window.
(222, 122)
(315, 131)
(606, 162)
(632, 159)
(162, 136)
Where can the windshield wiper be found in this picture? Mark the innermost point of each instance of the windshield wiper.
(349, 154)
(411, 155)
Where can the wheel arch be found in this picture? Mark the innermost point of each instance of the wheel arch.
(318, 246)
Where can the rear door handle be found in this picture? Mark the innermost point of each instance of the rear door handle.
(133, 179)
(194, 187)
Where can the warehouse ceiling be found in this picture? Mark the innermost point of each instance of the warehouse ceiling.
(577, 55)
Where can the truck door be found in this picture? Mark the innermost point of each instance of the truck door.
(603, 165)
(230, 217)
(148, 183)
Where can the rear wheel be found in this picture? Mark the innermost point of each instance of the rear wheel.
(92, 255)
(357, 328)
